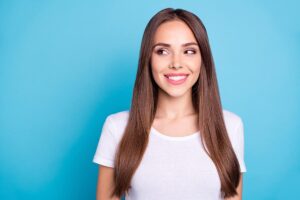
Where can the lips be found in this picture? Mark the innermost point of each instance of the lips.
(176, 74)
(176, 78)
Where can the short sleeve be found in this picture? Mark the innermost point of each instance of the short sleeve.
(238, 144)
(105, 152)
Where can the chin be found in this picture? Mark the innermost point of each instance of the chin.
(176, 92)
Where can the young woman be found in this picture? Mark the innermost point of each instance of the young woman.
(176, 141)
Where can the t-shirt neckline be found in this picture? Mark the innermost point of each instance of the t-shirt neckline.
(175, 138)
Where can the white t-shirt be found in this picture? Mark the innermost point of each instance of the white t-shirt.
(172, 167)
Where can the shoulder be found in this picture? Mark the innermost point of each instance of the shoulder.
(232, 120)
(119, 117)
(117, 122)
(235, 130)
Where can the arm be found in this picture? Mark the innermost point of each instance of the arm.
(105, 183)
(239, 190)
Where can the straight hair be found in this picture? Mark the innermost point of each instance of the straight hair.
(206, 102)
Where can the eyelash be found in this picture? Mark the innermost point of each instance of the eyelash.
(159, 50)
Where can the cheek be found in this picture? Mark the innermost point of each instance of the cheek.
(196, 65)
(157, 65)
(195, 69)
(153, 65)
(155, 68)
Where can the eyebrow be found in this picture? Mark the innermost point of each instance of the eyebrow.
(168, 45)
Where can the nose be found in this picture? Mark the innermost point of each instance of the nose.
(176, 60)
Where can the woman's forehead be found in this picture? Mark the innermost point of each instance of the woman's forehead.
(174, 33)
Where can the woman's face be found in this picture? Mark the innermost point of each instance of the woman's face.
(175, 45)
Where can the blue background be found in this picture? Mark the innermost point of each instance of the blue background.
(66, 65)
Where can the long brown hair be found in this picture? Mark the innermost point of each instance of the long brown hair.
(206, 101)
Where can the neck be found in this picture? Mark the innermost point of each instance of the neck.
(174, 107)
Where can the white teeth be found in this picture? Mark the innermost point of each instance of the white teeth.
(176, 78)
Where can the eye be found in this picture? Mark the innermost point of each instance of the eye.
(161, 51)
(191, 51)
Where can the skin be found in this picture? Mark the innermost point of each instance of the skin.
(175, 113)
(105, 183)
(175, 110)
(239, 190)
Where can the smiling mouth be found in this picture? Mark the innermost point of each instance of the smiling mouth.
(176, 74)
(176, 79)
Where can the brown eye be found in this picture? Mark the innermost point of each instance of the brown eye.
(160, 51)
(191, 51)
